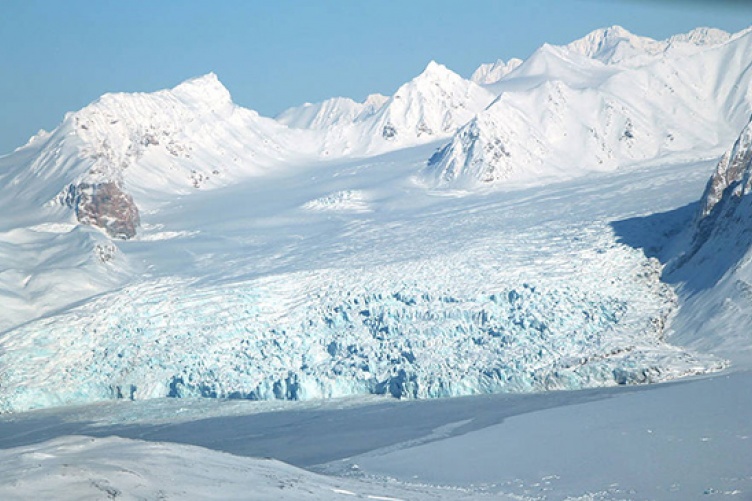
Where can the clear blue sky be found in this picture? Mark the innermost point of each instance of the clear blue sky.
(58, 56)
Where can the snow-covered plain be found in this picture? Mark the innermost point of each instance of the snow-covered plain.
(555, 240)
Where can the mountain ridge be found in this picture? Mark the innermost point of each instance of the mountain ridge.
(603, 115)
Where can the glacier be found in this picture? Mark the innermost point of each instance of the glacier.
(172, 340)
(455, 300)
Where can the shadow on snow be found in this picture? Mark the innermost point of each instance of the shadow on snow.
(696, 255)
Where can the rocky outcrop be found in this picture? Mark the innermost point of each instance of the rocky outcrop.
(105, 205)
(725, 206)
(721, 235)
(733, 171)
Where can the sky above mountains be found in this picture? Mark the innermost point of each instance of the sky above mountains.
(57, 57)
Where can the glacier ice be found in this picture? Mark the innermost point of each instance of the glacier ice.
(330, 333)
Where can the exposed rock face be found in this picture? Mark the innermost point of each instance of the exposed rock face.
(106, 206)
(722, 232)
(733, 170)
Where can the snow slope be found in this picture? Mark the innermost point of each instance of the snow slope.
(75, 468)
(685, 440)
(672, 442)
(603, 102)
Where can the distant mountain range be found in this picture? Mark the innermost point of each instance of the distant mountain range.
(602, 102)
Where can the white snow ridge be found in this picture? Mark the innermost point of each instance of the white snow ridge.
(491, 73)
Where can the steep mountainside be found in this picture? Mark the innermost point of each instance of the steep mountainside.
(713, 273)
(730, 182)
(720, 236)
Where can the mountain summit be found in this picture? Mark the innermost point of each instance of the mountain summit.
(148, 145)
(205, 90)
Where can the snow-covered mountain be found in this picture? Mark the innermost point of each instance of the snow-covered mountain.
(608, 100)
(429, 107)
(147, 146)
(616, 45)
(712, 268)
(433, 104)
(126, 152)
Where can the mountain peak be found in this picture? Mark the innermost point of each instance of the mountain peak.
(376, 100)
(615, 45)
(434, 66)
(206, 88)
(434, 73)
(610, 35)
(435, 70)
(615, 31)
